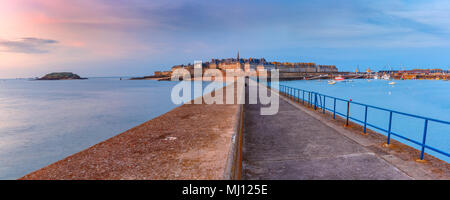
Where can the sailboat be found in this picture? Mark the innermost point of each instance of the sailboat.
(392, 82)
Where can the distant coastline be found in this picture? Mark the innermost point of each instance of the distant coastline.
(155, 77)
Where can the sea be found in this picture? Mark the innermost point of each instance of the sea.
(42, 122)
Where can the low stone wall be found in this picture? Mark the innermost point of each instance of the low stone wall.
(234, 162)
(193, 141)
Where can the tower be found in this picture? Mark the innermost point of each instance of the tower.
(238, 62)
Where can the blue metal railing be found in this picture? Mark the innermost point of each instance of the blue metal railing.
(314, 99)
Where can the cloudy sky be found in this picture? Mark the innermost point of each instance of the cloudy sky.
(137, 37)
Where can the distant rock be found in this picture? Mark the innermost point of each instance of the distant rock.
(61, 76)
(158, 78)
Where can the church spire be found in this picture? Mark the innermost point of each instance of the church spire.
(238, 55)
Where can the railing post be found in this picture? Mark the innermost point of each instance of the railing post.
(348, 112)
(323, 107)
(334, 109)
(293, 94)
(303, 97)
(315, 101)
(287, 91)
(290, 93)
(309, 99)
(365, 121)
(319, 97)
(389, 129)
(424, 138)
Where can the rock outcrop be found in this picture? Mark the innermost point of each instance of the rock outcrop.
(61, 76)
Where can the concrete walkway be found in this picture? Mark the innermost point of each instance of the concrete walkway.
(294, 145)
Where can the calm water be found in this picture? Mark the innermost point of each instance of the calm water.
(427, 98)
(44, 121)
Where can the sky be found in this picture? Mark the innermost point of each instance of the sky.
(137, 37)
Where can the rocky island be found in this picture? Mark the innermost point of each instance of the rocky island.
(60, 76)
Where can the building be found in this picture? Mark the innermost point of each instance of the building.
(162, 73)
(247, 64)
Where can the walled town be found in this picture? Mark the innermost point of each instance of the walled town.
(300, 70)
(249, 64)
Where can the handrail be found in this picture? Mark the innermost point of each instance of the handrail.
(314, 99)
